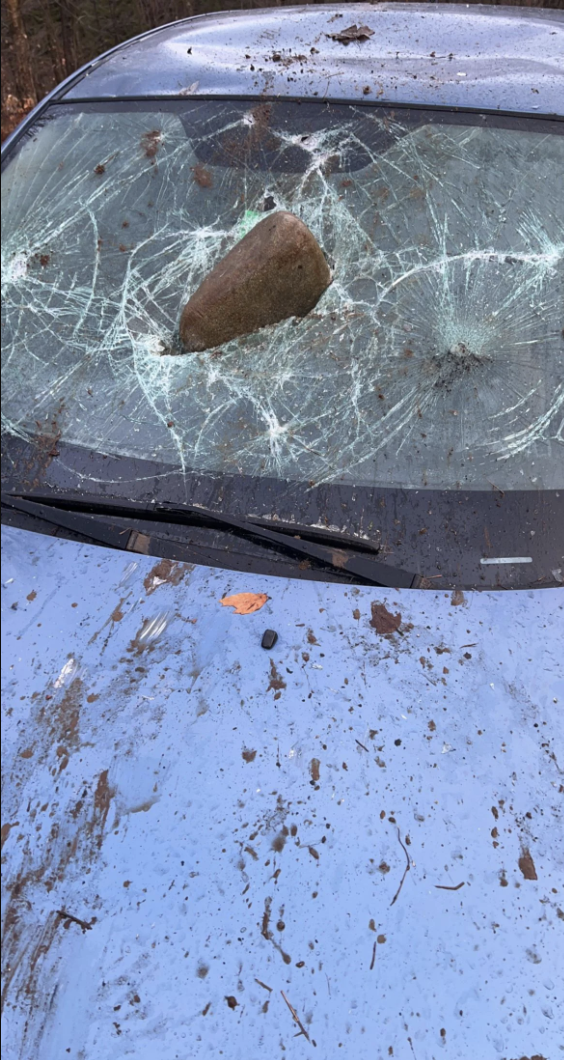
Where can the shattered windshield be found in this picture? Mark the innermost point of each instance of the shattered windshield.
(434, 359)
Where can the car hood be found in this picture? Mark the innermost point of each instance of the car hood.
(350, 841)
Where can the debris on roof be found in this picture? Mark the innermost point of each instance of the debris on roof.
(354, 32)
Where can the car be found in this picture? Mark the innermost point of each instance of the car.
(282, 617)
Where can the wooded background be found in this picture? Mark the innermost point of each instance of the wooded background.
(43, 41)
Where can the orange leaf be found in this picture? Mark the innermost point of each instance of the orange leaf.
(245, 603)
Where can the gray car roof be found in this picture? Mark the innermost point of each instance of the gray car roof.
(482, 57)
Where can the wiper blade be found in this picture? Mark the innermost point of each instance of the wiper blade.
(346, 561)
(92, 519)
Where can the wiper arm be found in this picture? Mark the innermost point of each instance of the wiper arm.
(91, 519)
(96, 527)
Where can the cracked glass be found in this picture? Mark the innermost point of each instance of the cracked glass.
(434, 360)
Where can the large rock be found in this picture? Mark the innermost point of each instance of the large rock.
(277, 270)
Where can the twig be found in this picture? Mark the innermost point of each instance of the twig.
(296, 1018)
(264, 986)
(373, 961)
(406, 870)
(75, 920)
(443, 887)
(362, 745)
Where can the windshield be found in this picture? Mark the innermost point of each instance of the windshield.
(434, 360)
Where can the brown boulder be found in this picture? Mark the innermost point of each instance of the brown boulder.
(276, 271)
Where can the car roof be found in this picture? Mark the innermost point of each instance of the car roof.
(493, 58)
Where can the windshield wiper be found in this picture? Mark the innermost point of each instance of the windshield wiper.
(93, 519)
(347, 561)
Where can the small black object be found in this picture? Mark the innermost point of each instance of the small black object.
(269, 639)
(269, 203)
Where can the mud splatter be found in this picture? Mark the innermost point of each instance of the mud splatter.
(102, 799)
(314, 768)
(202, 176)
(266, 931)
(45, 450)
(150, 631)
(6, 829)
(383, 621)
(63, 717)
(265, 925)
(279, 842)
(165, 572)
(457, 598)
(277, 683)
(38, 947)
(117, 613)
(150, 143)
(27, 942)
(32, 596)
(249, 756)
(527, 865)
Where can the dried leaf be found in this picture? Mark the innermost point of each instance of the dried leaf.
(190, 90)
(354, 32)
(245, 603)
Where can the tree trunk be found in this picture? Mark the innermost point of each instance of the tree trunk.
(67, 36)
(25, 81)
(52, 32)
